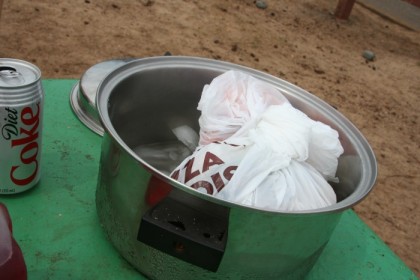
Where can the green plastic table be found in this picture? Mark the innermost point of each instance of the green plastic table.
(56, 224)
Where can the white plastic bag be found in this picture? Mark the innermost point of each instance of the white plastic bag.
(230, 101)
(264, 155)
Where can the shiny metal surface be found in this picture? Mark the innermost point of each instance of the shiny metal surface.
(138, 101)
(83, 94)
(84, 112)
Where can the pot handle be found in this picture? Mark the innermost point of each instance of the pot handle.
(188, 228)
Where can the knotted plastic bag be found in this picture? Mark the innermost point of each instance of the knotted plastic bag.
(231, 101)
(256, 149)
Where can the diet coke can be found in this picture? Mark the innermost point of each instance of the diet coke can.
(21, 110)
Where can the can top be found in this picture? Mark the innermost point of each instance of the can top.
(17, 73)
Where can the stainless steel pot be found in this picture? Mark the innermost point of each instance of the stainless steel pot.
(170, 231)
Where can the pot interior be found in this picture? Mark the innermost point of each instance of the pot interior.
(144, 106)
(140, 102)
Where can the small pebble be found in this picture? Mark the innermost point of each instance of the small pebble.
(261, 4)
(319, 70)
(147, 2)
(369, 55)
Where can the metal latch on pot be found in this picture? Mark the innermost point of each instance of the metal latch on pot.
(193, 232)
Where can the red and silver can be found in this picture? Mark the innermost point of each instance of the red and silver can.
(21, 115)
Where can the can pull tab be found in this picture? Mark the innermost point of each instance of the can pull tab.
(10, 76)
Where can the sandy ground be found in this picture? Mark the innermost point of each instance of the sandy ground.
(299, 41)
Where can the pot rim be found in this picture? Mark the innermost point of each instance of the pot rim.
(360, 143)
